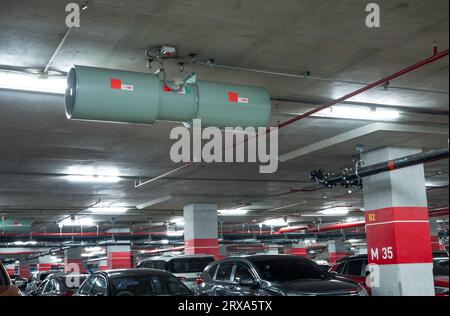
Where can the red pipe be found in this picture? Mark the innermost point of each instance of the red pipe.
(325, 228)
(441, 212)
(368, 87)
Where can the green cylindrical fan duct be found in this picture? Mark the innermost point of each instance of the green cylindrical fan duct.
(15, 226)
(128, 97)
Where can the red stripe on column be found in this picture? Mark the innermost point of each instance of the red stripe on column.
(24, 272)
(202, 246)
(398, 235)
(301, 252)
(119, 260)
(44, 267)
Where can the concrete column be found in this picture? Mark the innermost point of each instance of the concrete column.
(73, 261)
(298, 249)
(436, 243)
(103, 265)
(119, 257)
(200, 229)
(397, 227)
(10, 268)
(45, 263)
(24, 269)
(337, 249)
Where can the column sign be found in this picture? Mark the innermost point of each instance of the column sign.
(395, 235)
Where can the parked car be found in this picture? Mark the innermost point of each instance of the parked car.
(60, 285)
(35, 281)
(187, 268)
(273, 275)
(20, 282)
(355, 268)
(440, 254)
(443, 262)
(132, 282)
(6, 287)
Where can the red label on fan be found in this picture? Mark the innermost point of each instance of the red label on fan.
(235, 98)
(116, 84)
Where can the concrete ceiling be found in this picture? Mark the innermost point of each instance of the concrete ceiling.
(38, 145)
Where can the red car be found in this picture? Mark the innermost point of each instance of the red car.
(354, 268)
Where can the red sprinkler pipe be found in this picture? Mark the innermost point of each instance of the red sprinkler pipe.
(338, 226)
(368, 87)
(325, 228)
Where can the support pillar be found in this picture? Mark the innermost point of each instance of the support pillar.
(298, 249)
(337, 249)
(119, 257)
(103, 265)
(45, 263)
(24, 269)
(10, 269)
(397, 227)
(436, 243)
(200, 230)
(73, 261)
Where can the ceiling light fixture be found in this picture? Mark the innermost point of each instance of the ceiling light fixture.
(275, 222)
(236, 212)
(109, 210)
(93, 179)
(79, 222)
(335, 211)
(93, 174)
(31, 82)
(359, 113)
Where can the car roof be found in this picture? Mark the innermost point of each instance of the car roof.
(132, 272)
(261, 258)
(352, 258)
(167, 258)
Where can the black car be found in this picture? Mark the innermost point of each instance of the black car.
(35, 282)
(443, 262)
(60, 285)
(132, 282)
(273, 275)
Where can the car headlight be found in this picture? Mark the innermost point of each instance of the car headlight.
(441, 290)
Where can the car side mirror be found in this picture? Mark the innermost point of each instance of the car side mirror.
(249, 282)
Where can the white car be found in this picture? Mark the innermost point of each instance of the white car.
(187, 268)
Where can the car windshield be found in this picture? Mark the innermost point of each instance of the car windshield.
(147, 285)
(289, 269)
(189, 265)
(72, 282)
(42, 276)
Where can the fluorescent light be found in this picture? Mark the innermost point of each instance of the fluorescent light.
(178, 221)
(275, 222)
(30, 82)
(154, 202)
(91, 174)
(25, 243)
(108, 210)
(55, 259)
(335, 211)
(236, 212)
(93, 249)
(79, 222)
(93, 179)
(359, 113)
(175, 233)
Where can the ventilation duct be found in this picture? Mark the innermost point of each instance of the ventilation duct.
(128, 97)
(15, 226)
